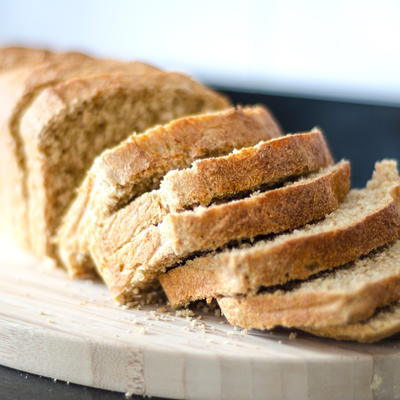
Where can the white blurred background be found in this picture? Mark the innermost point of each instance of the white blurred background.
(329, 49)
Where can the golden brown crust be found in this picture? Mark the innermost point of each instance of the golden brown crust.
(147, 254)
(268, 162)
(384, 323)
(12, 57)
(132, 167)
(17, 57)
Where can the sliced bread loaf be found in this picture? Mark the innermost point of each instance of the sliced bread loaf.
(339, 297)
(384, 323)
(367, 219)
(137, 165)
(65, 124)
(179, 235)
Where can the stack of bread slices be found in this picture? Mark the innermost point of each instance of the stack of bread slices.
(214, 204)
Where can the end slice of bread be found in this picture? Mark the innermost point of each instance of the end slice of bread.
(367, 219)
(383, 324)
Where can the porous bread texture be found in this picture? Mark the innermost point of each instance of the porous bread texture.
(138, 262)
(137, 165)
(384, 323)
(367, 219)
(19, 88)
(339, 297)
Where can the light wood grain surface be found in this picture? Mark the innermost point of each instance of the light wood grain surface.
(72, 331)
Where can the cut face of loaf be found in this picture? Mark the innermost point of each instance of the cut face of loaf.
(138, 165)
(340, 297)
(384, 323)
(19, 88)
(69, 123)
(179, 235)
(367, 219)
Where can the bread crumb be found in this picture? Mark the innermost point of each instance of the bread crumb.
(376, 382)
(244, 332)
(279, 341)
(292, 335)
(51, 321)
(184, 313)
(142, 331)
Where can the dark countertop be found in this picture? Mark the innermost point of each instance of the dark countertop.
(358, 132)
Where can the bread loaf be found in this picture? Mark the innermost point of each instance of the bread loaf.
(62, 114)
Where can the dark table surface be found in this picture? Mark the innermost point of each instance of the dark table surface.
(361, 133)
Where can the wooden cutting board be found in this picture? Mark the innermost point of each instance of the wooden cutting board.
(72, 331)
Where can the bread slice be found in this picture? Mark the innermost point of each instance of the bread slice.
(267, 163)
(339, 297)
(137, 165)
(384, 323)
(181, 235)
(18, 89)
(367, 219)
